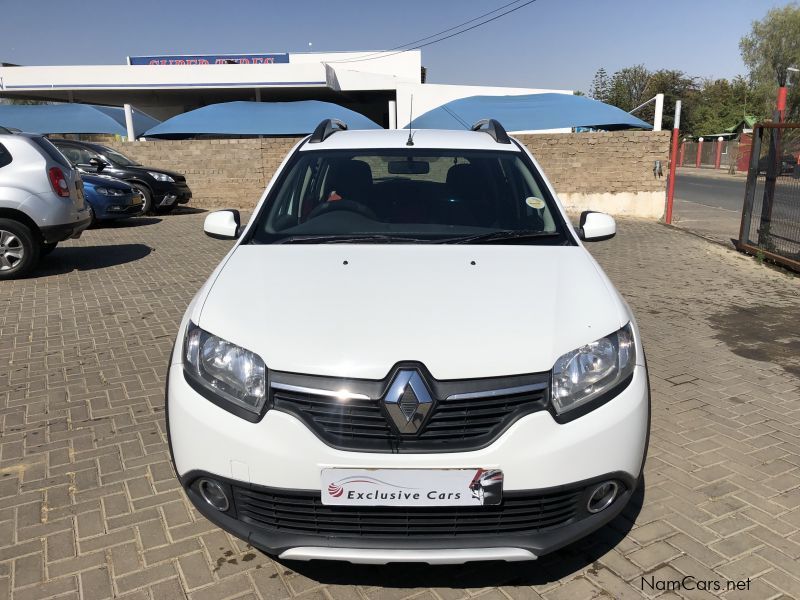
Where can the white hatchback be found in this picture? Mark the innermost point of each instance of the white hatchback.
(408, 355)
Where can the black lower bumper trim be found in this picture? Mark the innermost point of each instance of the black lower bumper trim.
(275, 541)
(59, 233)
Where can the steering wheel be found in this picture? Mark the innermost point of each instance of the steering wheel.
(348, 205)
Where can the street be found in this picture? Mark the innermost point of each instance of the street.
(709, 203)
(712, 190)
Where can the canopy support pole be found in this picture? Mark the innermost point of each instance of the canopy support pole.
(129, 123)
(659, 112)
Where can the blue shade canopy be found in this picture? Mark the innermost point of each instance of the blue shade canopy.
(72, 118)
(258, 118)
(530, 112)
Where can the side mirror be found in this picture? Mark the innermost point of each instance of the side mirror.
(223, 224)
(98, 164)
(596, 226)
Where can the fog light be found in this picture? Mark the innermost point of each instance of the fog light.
(213, 493)
(602, 496)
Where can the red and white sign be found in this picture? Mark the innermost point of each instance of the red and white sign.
(411, 487)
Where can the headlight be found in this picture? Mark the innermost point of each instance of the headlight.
(585, 374)
(228, 371)
(109, 191)
(161, 176)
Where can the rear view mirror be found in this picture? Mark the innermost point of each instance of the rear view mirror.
(596, 226)
(223, 224)
(409, 167)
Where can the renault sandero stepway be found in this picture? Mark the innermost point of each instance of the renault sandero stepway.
(408, 355)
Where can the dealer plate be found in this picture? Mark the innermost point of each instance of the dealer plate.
(411, 487)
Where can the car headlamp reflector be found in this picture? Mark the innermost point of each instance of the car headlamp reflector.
(229, 371)
(161, 176)
(106, 191)
(584, 374)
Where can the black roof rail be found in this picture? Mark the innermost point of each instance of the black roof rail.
(325, 129)
(494, 129)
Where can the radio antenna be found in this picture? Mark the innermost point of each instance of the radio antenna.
(410, 140)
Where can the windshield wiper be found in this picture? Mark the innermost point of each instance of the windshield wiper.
(500, 236)
(349, 239)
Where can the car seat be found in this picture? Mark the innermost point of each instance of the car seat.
(469, 201)
(349, 180)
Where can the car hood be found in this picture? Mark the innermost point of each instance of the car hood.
(464, 311)
(104, 180)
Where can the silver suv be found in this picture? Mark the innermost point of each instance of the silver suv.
(41, 201)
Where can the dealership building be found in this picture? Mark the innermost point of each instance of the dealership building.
(387, 87)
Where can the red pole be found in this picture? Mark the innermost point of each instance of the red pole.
(699, 152)
(673, 163)
(781, 104)
(718, 154)
(683, 151)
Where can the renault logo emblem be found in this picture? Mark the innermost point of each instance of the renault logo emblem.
(408, 401)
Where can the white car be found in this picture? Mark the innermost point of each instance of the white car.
(408, 355)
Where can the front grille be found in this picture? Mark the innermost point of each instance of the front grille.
(455, 424)
(304, 513)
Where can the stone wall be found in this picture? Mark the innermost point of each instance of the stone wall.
(611, 172)
(221, 173)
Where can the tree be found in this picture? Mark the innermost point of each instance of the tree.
(628, 87)
(719, 105)
(773, 46)
(600, 85)
(675, 85)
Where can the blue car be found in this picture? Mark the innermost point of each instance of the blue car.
(110, 198)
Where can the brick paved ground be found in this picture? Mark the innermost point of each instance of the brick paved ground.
(89, 506)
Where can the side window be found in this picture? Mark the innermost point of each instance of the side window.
(72, 153)
(77, 155)
(293, 201)
(5, 156)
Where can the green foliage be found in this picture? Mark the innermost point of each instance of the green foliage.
(773, 46)
(601, 86)
(629, 87)
(632, 86)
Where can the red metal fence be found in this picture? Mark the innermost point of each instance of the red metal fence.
(716, 154)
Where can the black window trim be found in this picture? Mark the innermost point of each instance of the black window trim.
(4, 151)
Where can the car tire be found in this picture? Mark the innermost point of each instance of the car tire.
(147, 196)
(47, 247)
(19, 249)
(93, 218)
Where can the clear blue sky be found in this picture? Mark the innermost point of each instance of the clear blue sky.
(551, 43)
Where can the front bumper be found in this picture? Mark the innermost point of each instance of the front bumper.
(172, 194)
(536, 454)
(117, 210)
(287, 541)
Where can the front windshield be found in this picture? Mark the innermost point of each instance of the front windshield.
(409, 196)
(119, 159)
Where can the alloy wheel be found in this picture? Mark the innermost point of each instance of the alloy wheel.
(11, 250)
